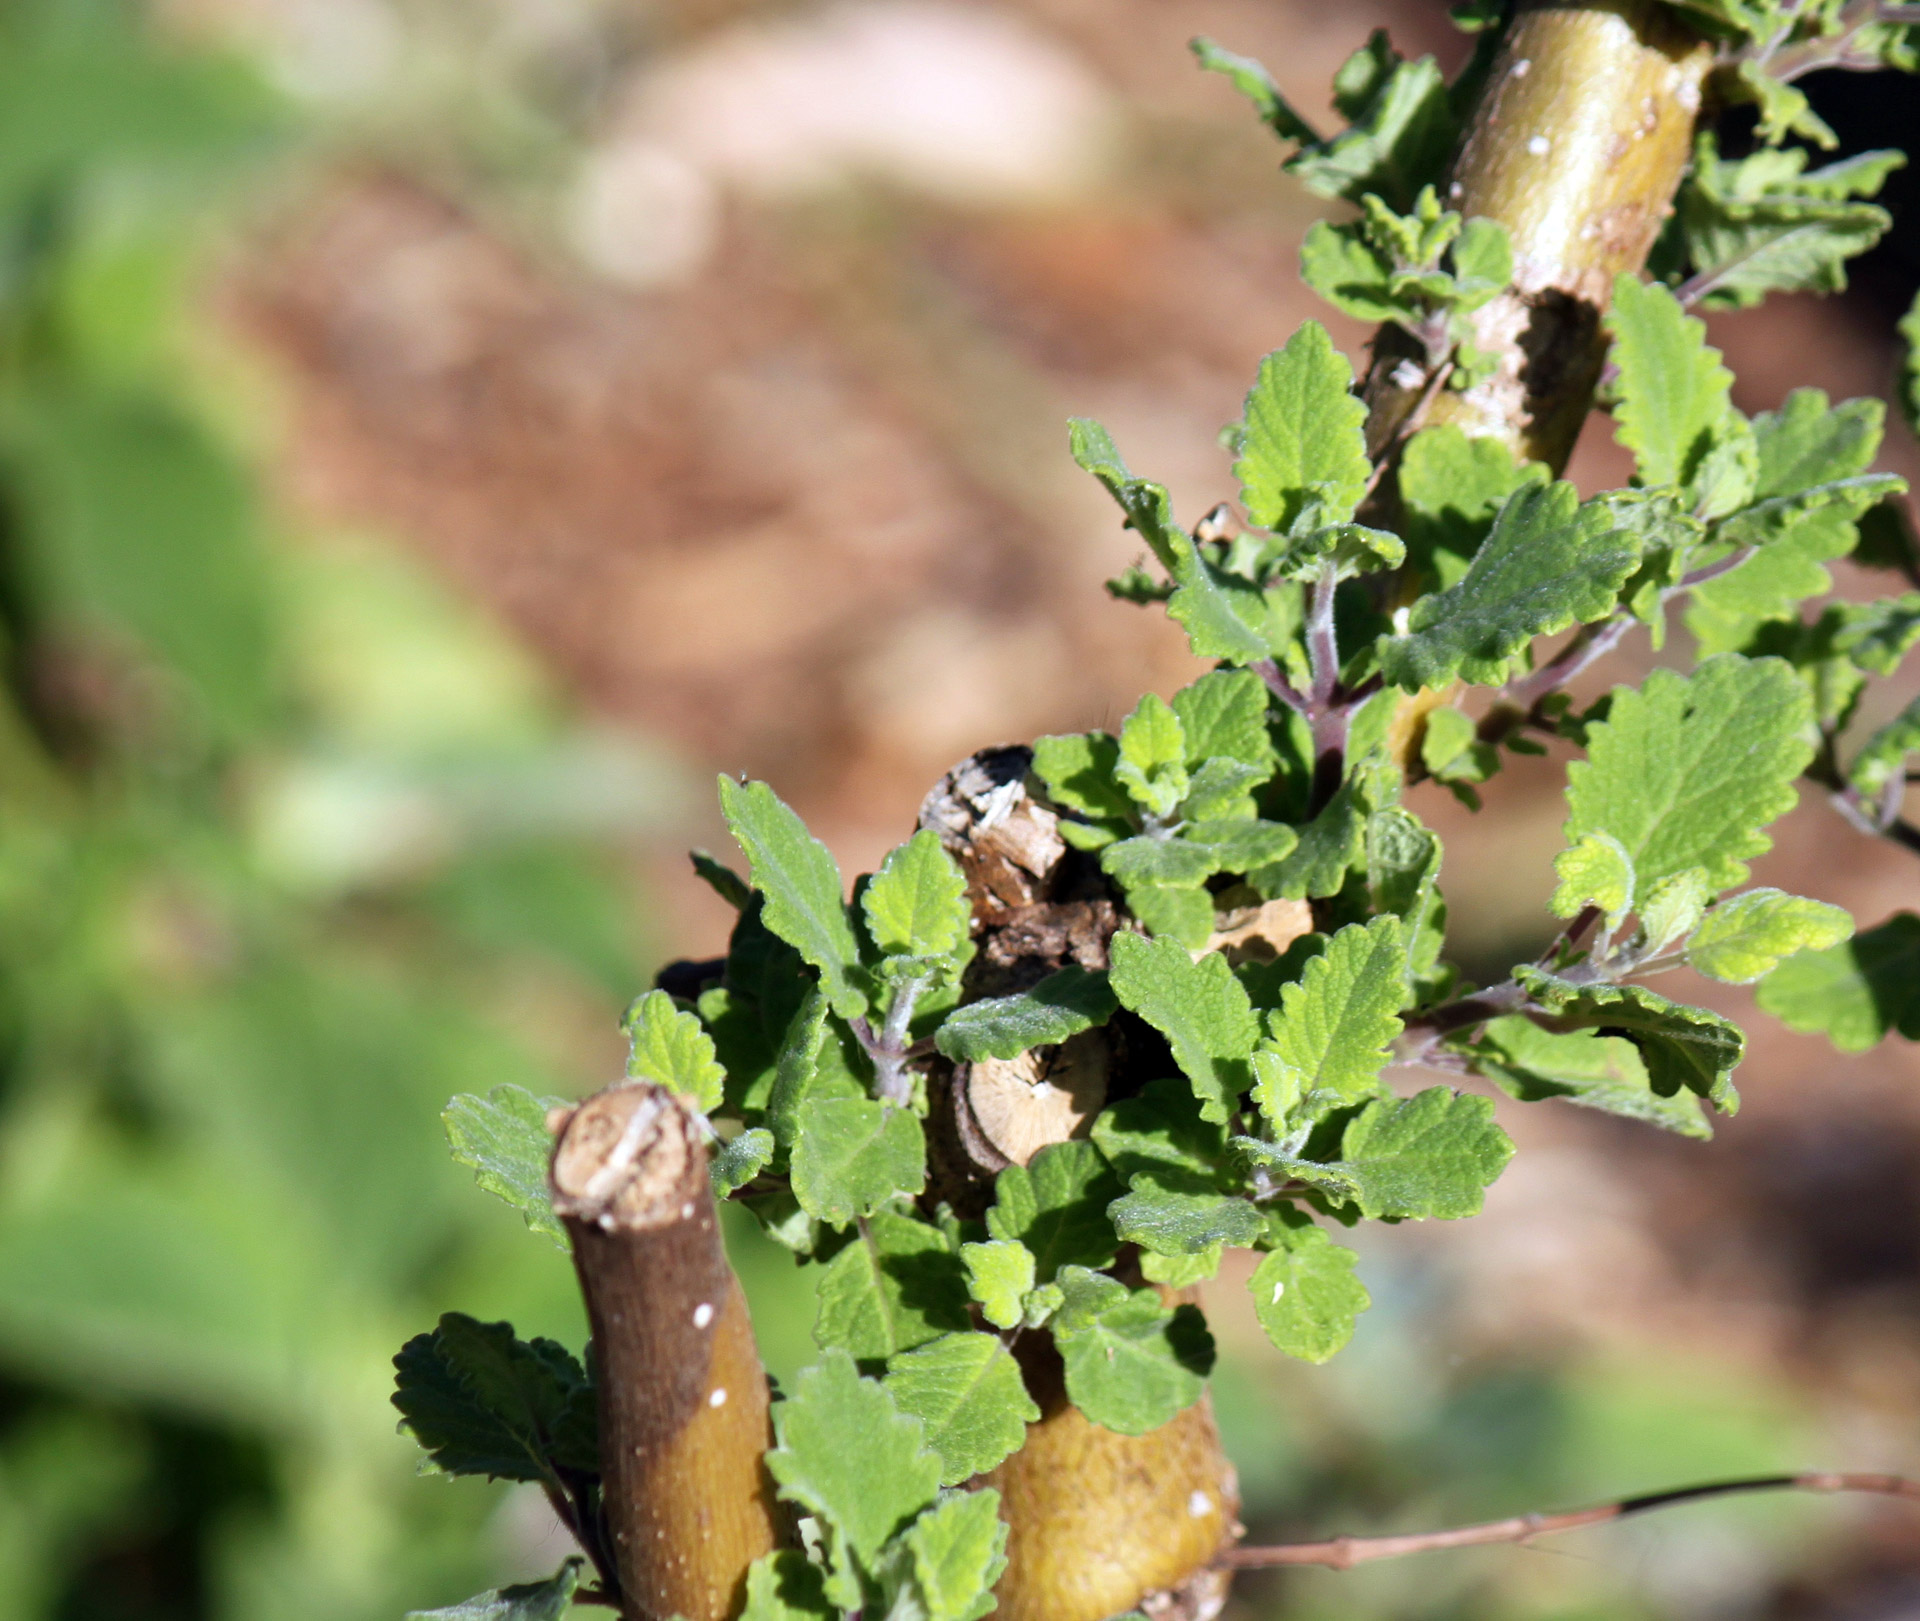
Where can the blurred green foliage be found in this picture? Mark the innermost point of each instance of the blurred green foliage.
(292, 846)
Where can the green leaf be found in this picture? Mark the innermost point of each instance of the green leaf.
(1687, 771)
(968, 1392)
(1433, 1154)
(1882, 760)
(1672, 908)
(1223, 715)
(1350, 273)
(503, 1137)
(1172, 913)
(1745, 937)
(1000, 1275)
(1077, 769)
(1334, 1024)
(485, 1403)
(734, 1164)
(1402, 134)
(1583, 1067)
(1329, 847)
(1595, 871)
(1161, 1129)
(1056, 1205)
(1176, 863)
(721, 879)
(526, 1601)
(801, 882)
(1908, 388)
(1304, 438)
(1807, 443)
(668, 1046)
(1876, 636)
(1198, 1006)
(1403, 877)
(1255, 83)
(1761, 225)
(1548, 562)
(1452, 488)
(897, 1285)
(916, 904)
(853, 1155)
(1682, 1047)
(1171, 1214)
(786, 1586)
(1673, 392)
(1061, 1005)
(1853, 993)
(1131, 1363)
(847, 1454)
(1219, 613)
(958, 1550)
(1153, 756)
(1304, 1291)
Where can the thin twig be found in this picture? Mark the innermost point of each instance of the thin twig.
(1408, 425)
(1269, 671)
(1343, 1553)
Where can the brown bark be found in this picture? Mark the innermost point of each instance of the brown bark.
(683, 1397)
(1578, 145)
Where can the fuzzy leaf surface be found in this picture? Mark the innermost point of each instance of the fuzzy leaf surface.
(897, 1285)
(1173, 1214)
(503, 1137)
(737, 1163)
(1853, 993)
(853, 1155)
(525, 1601)
(1131, 1363)
(849, 1455)
(1583, 1067)
(1747, 936)
(1674, 392)
(1061, 1005)
(1056, 1205)
(1304, 437)
(1000, 1275)
(786, 1586)
(669, 1046)
(1686, 771)
(1547, 563)
(958, 1550)
(1683, 1047)
(1453, 487)
(1333, 1026)
(1199, 1007)
(1305, 1292)
(916, 904)
(967, 1390)
(804, 904)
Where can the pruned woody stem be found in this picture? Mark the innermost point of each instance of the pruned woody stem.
(1577, 146)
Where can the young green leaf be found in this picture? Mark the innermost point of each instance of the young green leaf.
(896, 1285)
(1745, 937)
(1402, 133)
(1198, 1006)
(1594, 871)
(1452, 488)
(1672, 908)
(786, 1586)
(1056, 1205)
(849, 1455)
(525, 1601)
(735, 1164)
(668, 1046)
(1171, 1213)
(1255, 83)
(853, 1155)
(1433, 1154)
(1304, 1291)
(1548, 562)
(1176, 914)
(1583, 1067)
(1908, 393)
(1304, 440)
(1853, 993)
(968, 1392)
(1876, 636)
(483, 1402)
(721, 879)
(801, 881)
(958, 1549)
(1674, 393)
(503, 1137)
(1329, 847)
(1333, 1026)
(916, 904)
(1223, 715)
(1162, 1130)
(1682, 1047)
(1061, 1005)
(1687, 771)
(1221, 615)
(1170, 863)
(1131, 1363)
(1883, 757)
(1077, 769)
(1153, 756)
(1000, 1275)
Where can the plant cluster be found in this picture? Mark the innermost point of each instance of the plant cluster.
(1374, 621)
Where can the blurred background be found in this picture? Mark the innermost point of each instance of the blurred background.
(435, 437)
